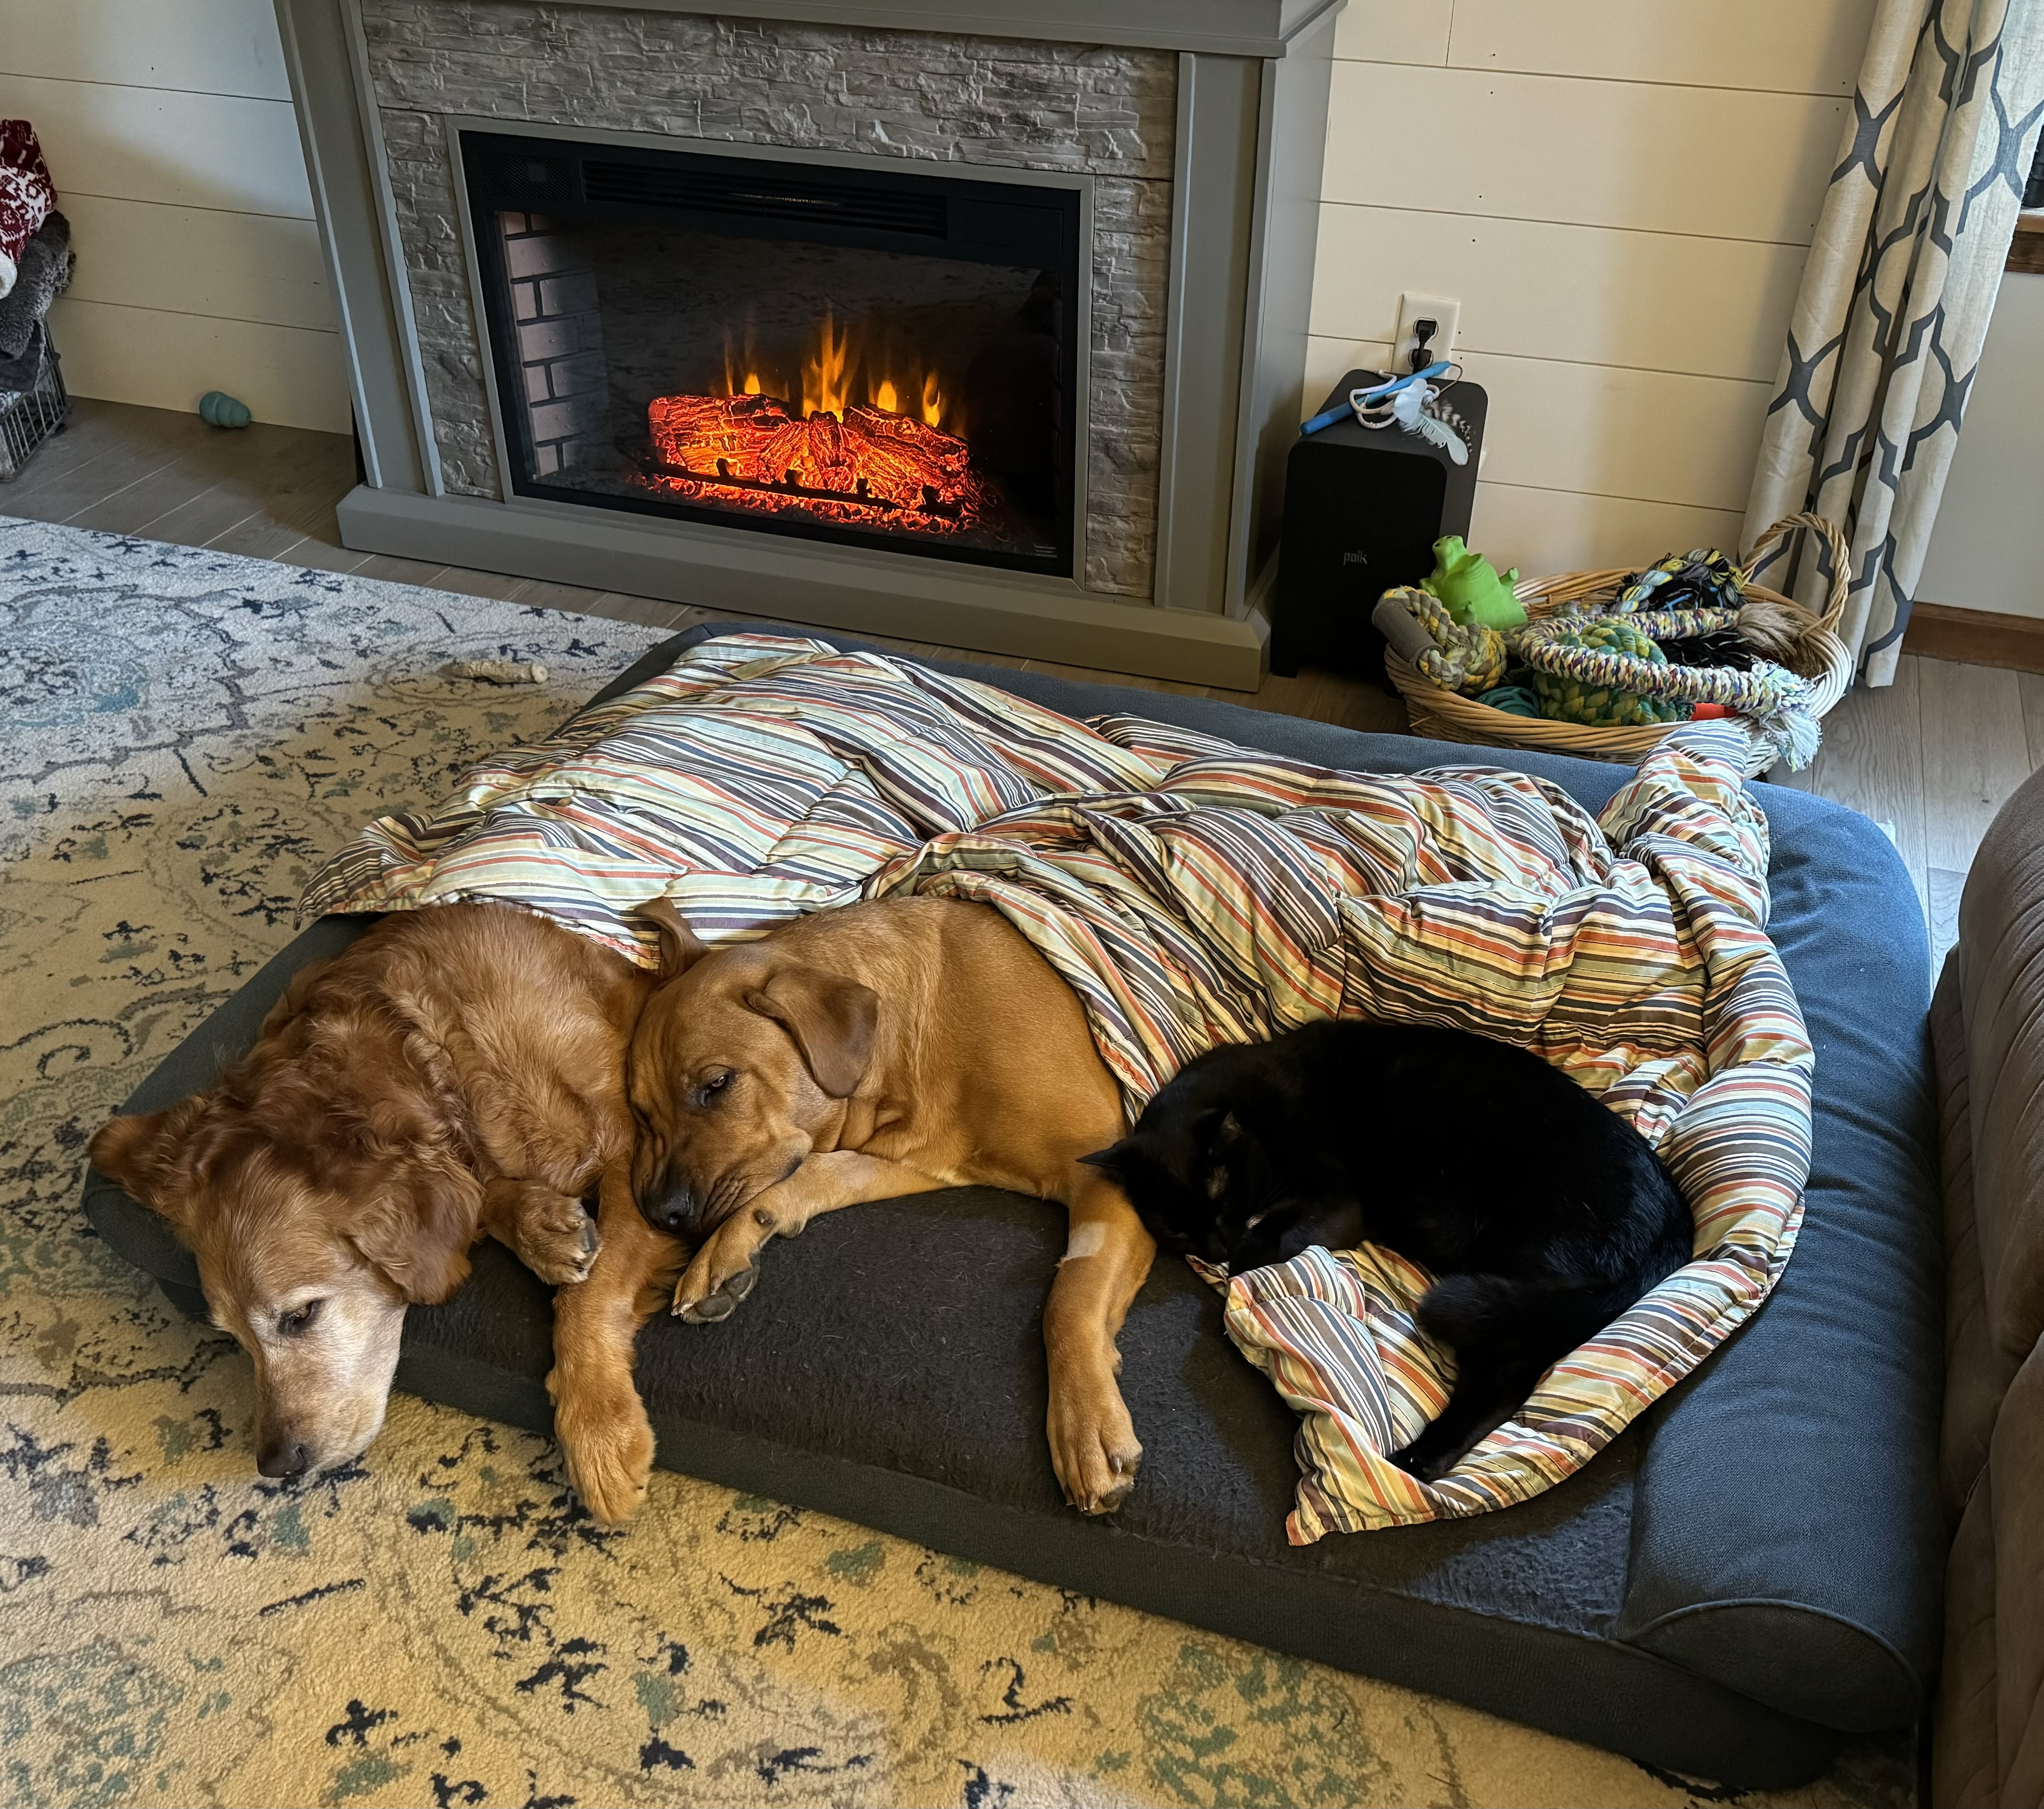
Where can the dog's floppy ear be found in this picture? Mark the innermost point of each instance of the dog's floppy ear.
(292, 999)
(832, 1019)
(148, 1154)
(419, 1229)
(680, 947)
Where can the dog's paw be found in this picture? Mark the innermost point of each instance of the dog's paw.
(1093, 1450)
(608, 1444)
(554, 1237)
(725, 1271)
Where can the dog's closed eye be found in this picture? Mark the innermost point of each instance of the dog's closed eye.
(300, 1319)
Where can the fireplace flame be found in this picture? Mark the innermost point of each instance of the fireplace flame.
(884, 462)
(872, 466)
(824, 391)
(838, 366)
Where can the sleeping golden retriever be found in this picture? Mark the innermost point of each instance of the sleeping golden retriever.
(456, 1073)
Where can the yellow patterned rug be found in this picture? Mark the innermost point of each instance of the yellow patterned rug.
(186, 735)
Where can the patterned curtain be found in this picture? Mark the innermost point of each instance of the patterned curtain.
(1887, 328)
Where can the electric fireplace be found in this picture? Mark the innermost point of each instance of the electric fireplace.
(982, 325)
(860, 355)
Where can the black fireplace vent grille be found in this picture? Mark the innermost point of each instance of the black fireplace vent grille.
(664, 185)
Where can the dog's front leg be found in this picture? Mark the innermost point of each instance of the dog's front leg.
(598, 1418)
(546, 1229)
(722, 1273)
(1093, 1440)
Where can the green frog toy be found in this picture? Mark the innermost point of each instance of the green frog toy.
(1468, 586)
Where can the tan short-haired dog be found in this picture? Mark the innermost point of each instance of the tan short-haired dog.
(455, 1072)
(858, 1054)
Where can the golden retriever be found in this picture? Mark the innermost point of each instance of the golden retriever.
(456, 1072)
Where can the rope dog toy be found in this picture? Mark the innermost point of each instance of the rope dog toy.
(1467, 657)
(1586, 651)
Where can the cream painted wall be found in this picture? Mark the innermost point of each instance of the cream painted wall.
(169, 130)
(1622, 197)
(1976, 560)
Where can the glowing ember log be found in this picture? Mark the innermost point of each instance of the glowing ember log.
(869, 466)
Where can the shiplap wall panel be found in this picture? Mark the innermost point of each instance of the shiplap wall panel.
(1654, 301)
(1559, 530)
(170, 132)
(1797, 47)
(1621, 197)
(1389, 31)
(246, 267)
(159, 359)
(219, 47)
(187, 150)
(1714, 163)
(1650, 436)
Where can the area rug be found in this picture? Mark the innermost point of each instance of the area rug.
(186, 735)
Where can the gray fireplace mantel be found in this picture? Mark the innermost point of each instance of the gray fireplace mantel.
(1218, 27)
(1252, 88)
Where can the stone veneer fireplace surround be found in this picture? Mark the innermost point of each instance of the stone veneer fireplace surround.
(1193, 129)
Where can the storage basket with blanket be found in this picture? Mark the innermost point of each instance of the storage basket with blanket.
(1603, 635)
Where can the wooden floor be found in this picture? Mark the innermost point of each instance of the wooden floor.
(1931, 758)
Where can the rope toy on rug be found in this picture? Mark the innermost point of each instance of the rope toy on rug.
(1590, 653)
(1467, 657)
(496, 672)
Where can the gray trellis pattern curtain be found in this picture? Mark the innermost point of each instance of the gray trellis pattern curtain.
(1887, 327)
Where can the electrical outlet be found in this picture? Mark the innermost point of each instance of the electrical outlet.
(1443, 311)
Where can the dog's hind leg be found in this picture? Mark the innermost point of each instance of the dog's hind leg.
(598, 1418)
(1107, 1253)
(723, 1271)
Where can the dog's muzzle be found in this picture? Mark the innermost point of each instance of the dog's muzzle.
(670, 1209)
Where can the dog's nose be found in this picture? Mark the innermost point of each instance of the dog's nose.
(676, 1211)
(284, 1456)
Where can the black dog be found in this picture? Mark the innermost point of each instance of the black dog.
(1543, 1213)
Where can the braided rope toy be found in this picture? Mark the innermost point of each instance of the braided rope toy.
(1574, 689)
(1467, 657)
(1705, 578)
(1774, 699)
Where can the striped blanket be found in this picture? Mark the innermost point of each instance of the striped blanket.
(1194, 893)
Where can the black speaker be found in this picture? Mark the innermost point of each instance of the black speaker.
(1363, 506)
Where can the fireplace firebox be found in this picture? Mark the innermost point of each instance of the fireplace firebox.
(858, 354)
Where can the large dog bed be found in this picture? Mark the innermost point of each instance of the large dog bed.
(1750, 1571)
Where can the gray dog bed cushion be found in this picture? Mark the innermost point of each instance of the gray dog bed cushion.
(1751, 1571)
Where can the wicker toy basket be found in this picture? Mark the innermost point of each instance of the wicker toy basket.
(1820, 657)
